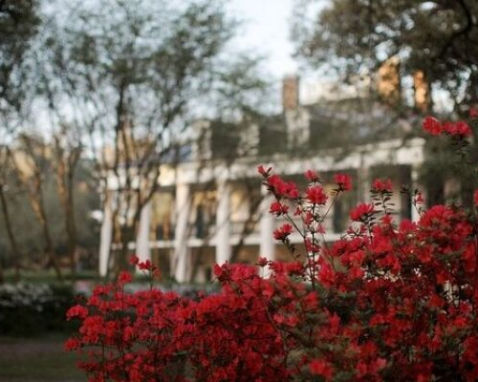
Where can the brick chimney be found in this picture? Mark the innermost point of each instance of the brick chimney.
(296, 117)
(389, 84)
(290, 93)
(422, 95)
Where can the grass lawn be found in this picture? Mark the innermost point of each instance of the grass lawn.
(39, 359)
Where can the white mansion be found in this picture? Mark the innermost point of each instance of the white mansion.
(212, 208)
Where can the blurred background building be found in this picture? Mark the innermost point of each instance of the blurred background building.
(211, 207)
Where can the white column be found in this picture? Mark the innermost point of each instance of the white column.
(106, 236)
(298, 127)
(267, 246)
(249, 140)
(181, 258)
(414, 180)
(364, 184)
(143, 250)
(223, 226)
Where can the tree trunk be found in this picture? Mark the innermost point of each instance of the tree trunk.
(247, 229)
(64, 177)
(11, 237)
(127, 236)
(39, 209)
(70, 223)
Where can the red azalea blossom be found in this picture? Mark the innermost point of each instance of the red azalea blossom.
(381, 186)
(263, 171)
(473, 112)
(321, 367)
(145, 265)
(125, 277)
(278, 209)
(134, 260)
(418, 199)
(312, 176)
(281, 188)
(384, 301)
(316, 195)
(293, 192)
(432, 126)
(283, 232)
(362, 212)
(343, 181)
(72, 344)
(77, 311)
(458, 129)
(262, 262)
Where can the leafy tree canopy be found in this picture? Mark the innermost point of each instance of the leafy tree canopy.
(356, 36)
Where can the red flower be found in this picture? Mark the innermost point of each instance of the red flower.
(77, 311)
(473, 112)
(72, 344)
(282, 232)
(262, 262)
(222, 272)
(458, 129)
(386, 281)
(278, 209)
(362, 212)
(316, 195)
(418, 198)
(312, 176)
(281, 188)
(262, 170)
(145, 265)
(321, 367)
(343, 181)
(134, 260)
(125, 277)
(292, 192)
(381, 186)
(432, 126)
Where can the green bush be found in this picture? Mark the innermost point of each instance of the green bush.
(29, 309)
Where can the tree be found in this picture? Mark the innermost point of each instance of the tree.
(431, 44)
(67, 152)
(19, 22)
(131, 76)
(5, 170)
(48, 195)
(435, 38)
(32, 173)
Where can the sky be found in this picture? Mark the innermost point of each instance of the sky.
(266, 30)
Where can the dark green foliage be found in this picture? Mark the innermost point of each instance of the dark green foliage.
(225, 140)
(31, 309)
(272, 136)
(355, 36)
(19, 21)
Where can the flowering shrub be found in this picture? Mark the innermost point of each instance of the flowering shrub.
(386, 302)
(455, 129)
